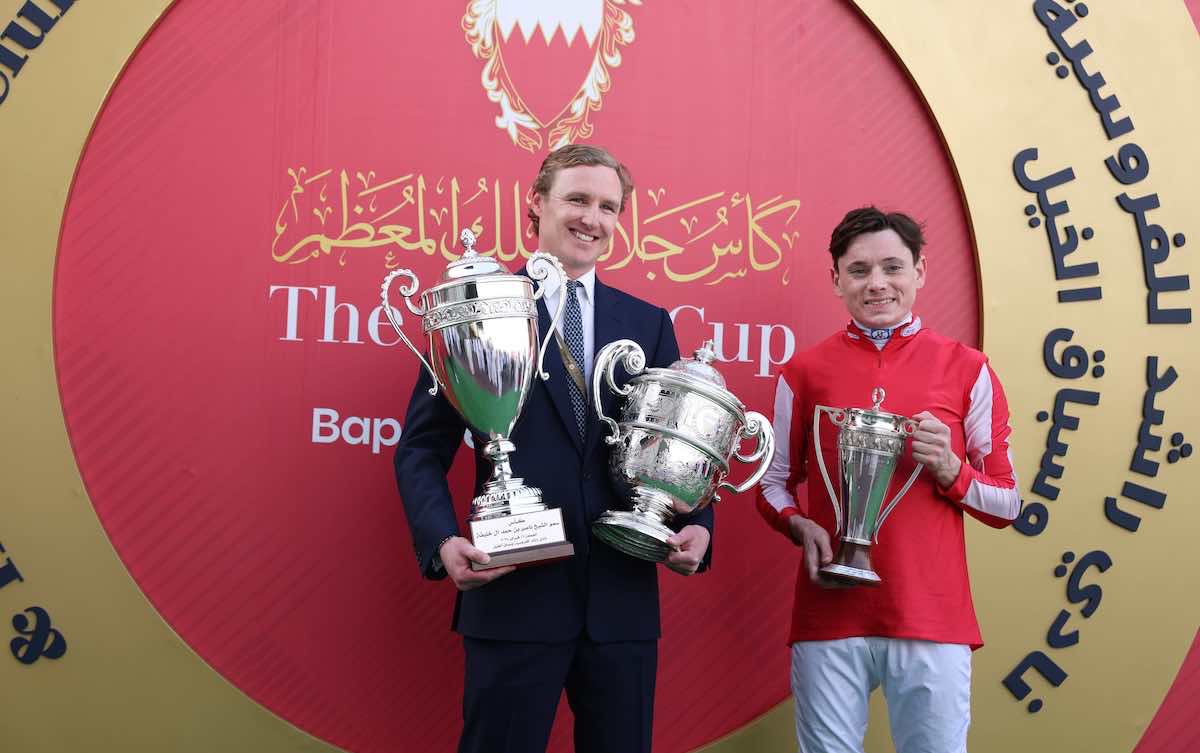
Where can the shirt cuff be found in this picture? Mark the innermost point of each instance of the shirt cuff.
(782, 523)
(957, 491)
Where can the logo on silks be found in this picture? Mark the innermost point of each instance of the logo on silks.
(547, 63)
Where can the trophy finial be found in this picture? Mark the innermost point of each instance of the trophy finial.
(468, 241)
(705, 353)
(877, 396)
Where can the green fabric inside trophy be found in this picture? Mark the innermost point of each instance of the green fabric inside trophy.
(870, 441)
(481, 322)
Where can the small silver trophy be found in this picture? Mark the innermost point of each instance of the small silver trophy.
(869, 443)
(679, 429)
(481, 322)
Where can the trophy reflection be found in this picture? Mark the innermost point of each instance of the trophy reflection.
(870, 441)
(679, 429)
(481, 322)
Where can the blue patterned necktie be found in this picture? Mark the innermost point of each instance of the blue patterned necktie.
(573, 332)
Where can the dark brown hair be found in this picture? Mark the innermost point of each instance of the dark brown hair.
(871, 220)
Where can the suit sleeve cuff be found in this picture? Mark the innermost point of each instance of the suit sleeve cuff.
(432, 567)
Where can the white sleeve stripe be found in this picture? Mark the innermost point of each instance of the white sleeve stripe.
(778, 498)
(993, 500)
(774, 481)
(977, 425)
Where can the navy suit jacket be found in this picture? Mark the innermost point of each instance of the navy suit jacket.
(599, 591)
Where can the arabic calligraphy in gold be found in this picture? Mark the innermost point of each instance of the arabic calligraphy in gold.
(720, 236)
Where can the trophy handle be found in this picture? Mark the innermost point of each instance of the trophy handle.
(406, 292)
(539, 267)
(758, 426)
(838, 416)
(908, 427)
(606, 363)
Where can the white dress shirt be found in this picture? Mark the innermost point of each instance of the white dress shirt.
(587, 312)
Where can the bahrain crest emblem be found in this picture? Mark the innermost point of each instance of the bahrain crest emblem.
(546, 63)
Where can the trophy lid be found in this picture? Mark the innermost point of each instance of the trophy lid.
(471, 263)
(699, 365)
(879, 421)
(696, 376)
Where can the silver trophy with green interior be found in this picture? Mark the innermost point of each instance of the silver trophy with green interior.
(870, 441)
(481, 324)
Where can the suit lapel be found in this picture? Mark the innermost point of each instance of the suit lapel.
(557, 384)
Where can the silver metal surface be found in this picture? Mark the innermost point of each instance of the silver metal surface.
(671, 449)
(481, 326)
(870, 441)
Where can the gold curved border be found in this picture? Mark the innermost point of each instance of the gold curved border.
(984, 75)
(127, 681)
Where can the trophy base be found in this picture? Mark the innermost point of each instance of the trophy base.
(633, 534)
(533, 538)
(503, 499)
(851, 568)
(528, 556)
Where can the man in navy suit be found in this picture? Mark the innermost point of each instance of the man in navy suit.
(588, 624)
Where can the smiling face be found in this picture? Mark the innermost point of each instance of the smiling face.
(577, 215)
(877, 279)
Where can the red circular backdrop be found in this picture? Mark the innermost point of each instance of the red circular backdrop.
(260, 166)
